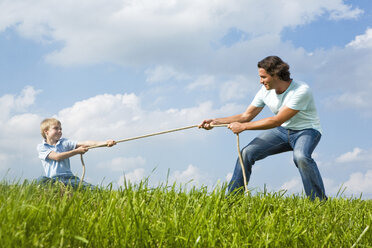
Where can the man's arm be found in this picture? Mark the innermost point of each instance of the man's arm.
(249, 114)
(267, 123)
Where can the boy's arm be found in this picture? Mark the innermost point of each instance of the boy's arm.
(63, 155)
(95, 143)
(81, 148)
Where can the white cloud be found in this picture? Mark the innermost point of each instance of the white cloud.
(19, 132)
(6, 104)
(350, 156)
(237, 88)
(163, 73)
(17, 103)
(123, 163)
(153, 31)
(357, 155)
(350, 100)
(191, 176)
(343, 11)
(12, 121)
(362, 41)
(202, 82)
(133, 177)
(173, 41)
(359, 183)
(106, 114)
(356, 184)
(121, 116)
(97, 118)
(353, 85)
(292, 186)
(228, 177)
(4, 161)
(26, 98)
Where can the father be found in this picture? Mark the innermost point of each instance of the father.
(294, 127)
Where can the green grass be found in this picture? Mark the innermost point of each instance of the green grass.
(140, 216)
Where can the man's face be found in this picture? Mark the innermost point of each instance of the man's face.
(266, 79)
(54, 132)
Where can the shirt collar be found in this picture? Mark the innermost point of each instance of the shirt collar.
(46, 144)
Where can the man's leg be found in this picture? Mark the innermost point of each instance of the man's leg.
(269, 142)
(304, 143)
(44, 180)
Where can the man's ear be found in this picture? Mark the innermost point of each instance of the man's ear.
(275, 77)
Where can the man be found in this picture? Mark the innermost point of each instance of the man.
(294, 127)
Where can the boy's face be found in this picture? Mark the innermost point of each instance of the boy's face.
(54, 132)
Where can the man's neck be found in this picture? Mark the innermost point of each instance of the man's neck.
(282, 86)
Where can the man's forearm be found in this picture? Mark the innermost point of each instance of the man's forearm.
(235, 118)
(266, 123)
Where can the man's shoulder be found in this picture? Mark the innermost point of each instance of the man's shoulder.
(300, 87)
(300, 84)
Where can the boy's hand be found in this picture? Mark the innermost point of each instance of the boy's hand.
(82, 149)
(110, 143)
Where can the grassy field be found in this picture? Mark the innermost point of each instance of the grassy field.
(140, 216)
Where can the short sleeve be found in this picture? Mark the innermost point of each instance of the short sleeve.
(68, 145)
(300, 99)
(43, 151)
(258, 100)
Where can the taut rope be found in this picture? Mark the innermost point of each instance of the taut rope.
(164, 132)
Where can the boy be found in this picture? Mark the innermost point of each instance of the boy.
(55, 152)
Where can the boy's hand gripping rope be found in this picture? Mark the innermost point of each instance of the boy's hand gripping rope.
(164, 132)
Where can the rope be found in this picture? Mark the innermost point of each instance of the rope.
(147, 135)
(83, 174)
(164, 132)
(129, 139)
(241, 163)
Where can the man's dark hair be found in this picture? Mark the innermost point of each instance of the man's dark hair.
(274, 65)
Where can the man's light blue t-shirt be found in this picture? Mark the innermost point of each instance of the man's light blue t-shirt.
(53, 167)
(298, 97)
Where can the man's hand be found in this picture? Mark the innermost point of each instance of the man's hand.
(110, 143)
(206, 124)
(236, 127)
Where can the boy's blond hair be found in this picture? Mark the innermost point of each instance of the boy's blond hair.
(46, 124)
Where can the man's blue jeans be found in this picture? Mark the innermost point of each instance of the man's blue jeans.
(278, 140)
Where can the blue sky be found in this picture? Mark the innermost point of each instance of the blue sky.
(127, 68)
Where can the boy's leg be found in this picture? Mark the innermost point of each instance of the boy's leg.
(74, 182)
(85, 185)
(269, 142)
(305, 142)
